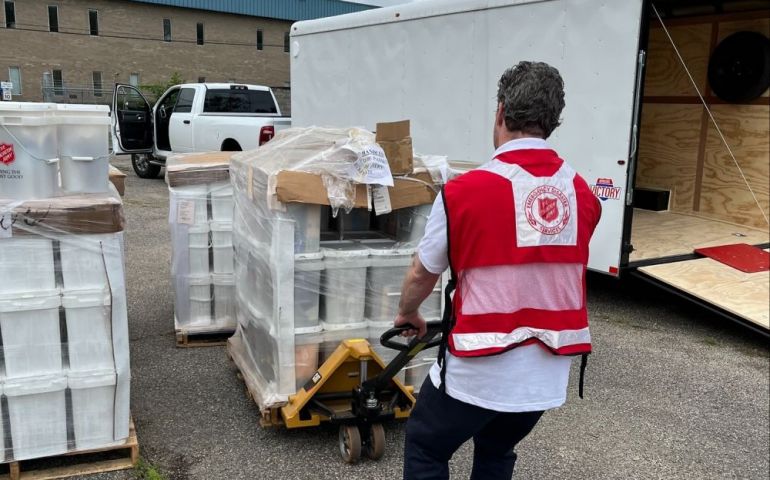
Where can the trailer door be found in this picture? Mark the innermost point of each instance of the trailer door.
(438, 63)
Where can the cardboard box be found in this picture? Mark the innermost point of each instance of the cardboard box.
(395, 141)
(198, 168)
(73, 214)
(118, 179)
(303, 187)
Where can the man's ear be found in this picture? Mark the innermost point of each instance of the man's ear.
(500, 115)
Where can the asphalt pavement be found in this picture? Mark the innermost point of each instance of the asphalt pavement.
(672, 391)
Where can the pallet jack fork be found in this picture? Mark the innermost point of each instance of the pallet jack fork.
(357, 390)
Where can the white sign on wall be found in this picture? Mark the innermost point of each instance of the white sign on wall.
(6, 85)
(7, 95)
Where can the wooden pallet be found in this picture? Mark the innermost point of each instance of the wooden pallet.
(84, 462)
(270, 416)
(214, 338)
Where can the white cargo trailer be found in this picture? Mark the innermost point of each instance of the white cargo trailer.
(437, 63)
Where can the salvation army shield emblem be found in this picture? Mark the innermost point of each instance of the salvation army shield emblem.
(6, 154)
(547, 210)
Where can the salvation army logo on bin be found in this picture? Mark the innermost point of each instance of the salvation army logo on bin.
(604, 189)
(6, 153)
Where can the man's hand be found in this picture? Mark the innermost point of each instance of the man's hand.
(414, 319)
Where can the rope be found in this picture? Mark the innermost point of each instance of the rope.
(711, 116)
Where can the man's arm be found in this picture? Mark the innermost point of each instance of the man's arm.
(418, 285)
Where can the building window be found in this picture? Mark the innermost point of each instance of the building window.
(53, 18)
(93, 22)
(58, 84)
(133, 79)
(166, 29)
(97, 77)
(10, 15)
(14, 76)
(286, 42)
(260, 40)
(200, 33)
(201, 79)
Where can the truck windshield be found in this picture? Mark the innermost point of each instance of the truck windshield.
(239, 101)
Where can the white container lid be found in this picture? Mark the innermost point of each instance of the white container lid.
(91, 379)
(307, 330)
(198, 228)
(334, 327)
(81, 108)
(30, 303)
(345, 250)
(85, 298)
(300, 257)
(224, 190)
(199, 280)
(221, 226)
(391, 251)
(35, 385)
(223, 278)
(191, 191)
(17, 107)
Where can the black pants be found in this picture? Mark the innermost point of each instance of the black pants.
(440, 424)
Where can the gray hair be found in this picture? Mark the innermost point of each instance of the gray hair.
(532, 95)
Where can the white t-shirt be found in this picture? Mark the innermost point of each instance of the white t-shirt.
(524, 379)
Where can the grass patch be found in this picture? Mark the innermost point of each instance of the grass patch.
(146, 471)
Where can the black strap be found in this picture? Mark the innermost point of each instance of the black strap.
(583, 364)
(447, 320)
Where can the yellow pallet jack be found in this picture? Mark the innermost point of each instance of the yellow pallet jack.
(357, 390)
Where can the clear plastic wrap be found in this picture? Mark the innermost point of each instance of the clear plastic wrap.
(63, 319)
(305, 279)
(202, 261)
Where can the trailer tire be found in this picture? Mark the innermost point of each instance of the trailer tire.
(739, 67)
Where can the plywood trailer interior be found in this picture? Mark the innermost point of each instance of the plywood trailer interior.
(681, 153)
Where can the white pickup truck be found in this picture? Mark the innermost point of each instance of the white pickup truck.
(193, 117)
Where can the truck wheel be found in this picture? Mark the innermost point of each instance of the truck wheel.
(231, 145)
(143, 167)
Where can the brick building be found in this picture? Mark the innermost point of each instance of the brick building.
(75, 50)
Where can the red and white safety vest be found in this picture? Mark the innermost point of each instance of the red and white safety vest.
(518, 231)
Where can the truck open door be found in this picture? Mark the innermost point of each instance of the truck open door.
(132, 126)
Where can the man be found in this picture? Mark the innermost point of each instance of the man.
(515, 235)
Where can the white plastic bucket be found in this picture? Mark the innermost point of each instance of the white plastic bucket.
(343, 284)
(384, 278)
(38, 416)
(307, 226)
(196, 194)
(89, 330)
(28, 151)
(84, 147)
(199, 244)
(222, 242)
(3, 456)
(224, 299)
(307, 289)
(222, 202)
(374, 332)
(84, 260)
(31, 338)
(200, 300)
(93, 408)
(26, 265)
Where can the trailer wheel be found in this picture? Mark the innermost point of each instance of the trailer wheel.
(350, 443)
(375, 444)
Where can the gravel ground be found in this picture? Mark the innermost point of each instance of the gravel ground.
(671, 391)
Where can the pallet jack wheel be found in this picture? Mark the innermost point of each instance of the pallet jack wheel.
(375, 445)
(350, 443)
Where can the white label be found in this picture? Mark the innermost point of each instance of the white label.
(6, 85)
(6, 225)
(381, 198)
(371, 166)
(7, 95)
(185, 212)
